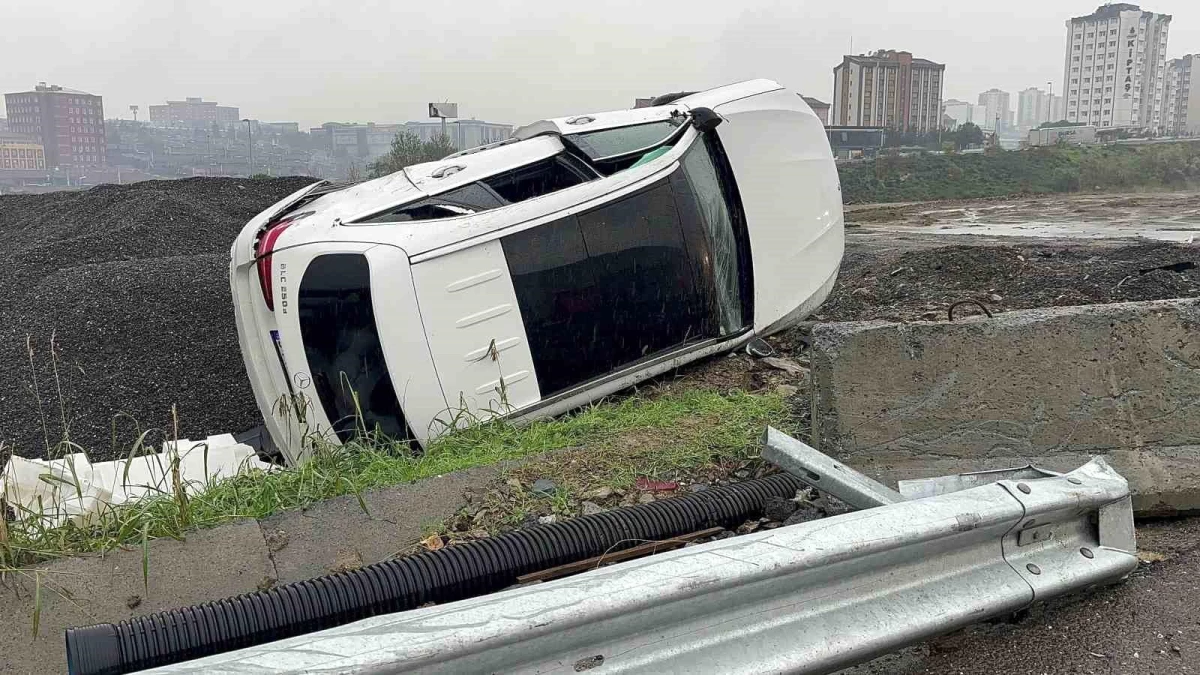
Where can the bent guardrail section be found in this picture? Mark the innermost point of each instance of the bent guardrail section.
(807, 598)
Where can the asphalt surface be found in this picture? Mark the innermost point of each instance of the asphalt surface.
(131, 285)
(1149, 624)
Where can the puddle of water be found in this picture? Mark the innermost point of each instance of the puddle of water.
(1060, 230)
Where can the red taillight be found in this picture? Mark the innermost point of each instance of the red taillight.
(262, 252)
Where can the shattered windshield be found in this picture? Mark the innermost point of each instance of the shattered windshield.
(598, 145)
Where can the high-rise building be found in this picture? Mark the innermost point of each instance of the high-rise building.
(69, 124)
(959, 111)
(1181, 110)
(888, 89)
(997, 114)
(1115, 67)
(1056, 108)
(192, 112)
(1033, 108)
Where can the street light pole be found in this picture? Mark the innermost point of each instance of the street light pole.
(1050, 102)
(250, 144)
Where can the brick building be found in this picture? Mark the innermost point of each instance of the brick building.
(21, 152)
(69, 124)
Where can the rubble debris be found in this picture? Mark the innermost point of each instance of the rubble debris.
(544, 487)
(74, 489)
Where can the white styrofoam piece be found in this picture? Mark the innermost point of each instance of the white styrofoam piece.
(73, 489)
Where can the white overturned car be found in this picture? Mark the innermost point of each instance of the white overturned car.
(528, 277)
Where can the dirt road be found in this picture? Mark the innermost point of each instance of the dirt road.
(1169, 216)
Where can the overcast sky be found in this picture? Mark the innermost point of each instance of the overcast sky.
(361, 60)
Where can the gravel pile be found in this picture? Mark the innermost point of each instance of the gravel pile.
(133, 283)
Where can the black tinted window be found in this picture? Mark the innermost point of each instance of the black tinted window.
(561, 306)
(341, 343)
(466, 199)
(540, 178)
(641, 262)
(608, 288)
(709, 223)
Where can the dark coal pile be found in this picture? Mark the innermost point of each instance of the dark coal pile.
(133, 283)
(922, 284)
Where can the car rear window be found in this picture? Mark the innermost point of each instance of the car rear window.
(341, 343)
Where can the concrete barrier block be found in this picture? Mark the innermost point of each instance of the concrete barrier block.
(1039, 384)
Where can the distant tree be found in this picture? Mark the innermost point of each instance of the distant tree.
(968, 135)
(1061, 123)
(408, 149)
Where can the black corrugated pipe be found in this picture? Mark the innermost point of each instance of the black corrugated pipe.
(451, 573)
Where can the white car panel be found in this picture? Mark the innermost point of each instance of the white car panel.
(447, 174)
(580, 124)
(712, 98)
(791, 194)
(406, 346)
(474, 329)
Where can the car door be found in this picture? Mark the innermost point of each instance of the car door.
(645, 273)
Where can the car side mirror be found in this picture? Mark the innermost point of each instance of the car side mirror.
(704, 119)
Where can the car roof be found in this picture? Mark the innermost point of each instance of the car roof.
(530, 143)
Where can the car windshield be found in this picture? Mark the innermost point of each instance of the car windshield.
(599, 145)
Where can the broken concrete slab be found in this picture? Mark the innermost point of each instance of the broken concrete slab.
(210, 564)
(310, 542)
(1045, 386)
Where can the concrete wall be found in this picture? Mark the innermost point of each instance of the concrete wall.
(1052, 386)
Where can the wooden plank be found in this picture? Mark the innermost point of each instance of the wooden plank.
(641, 550)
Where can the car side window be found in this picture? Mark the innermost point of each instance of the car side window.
(467, 199)
(638, 276)
(533, 180)
(608, 143)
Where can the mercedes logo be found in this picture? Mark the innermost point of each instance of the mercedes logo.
(303, 380)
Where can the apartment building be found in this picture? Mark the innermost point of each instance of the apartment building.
(888, 89)
(370, 141)
(997, 114)
(192, 111)
(68, 123)
(21, 152)
(1114, 68)
(1181, 110)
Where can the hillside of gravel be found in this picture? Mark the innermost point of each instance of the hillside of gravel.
(132, 282)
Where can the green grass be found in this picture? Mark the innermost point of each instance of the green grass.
(609, 443)
(1043, 170)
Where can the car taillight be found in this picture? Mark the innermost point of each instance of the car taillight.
(262, 252)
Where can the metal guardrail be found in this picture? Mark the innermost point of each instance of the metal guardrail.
(807, 598)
